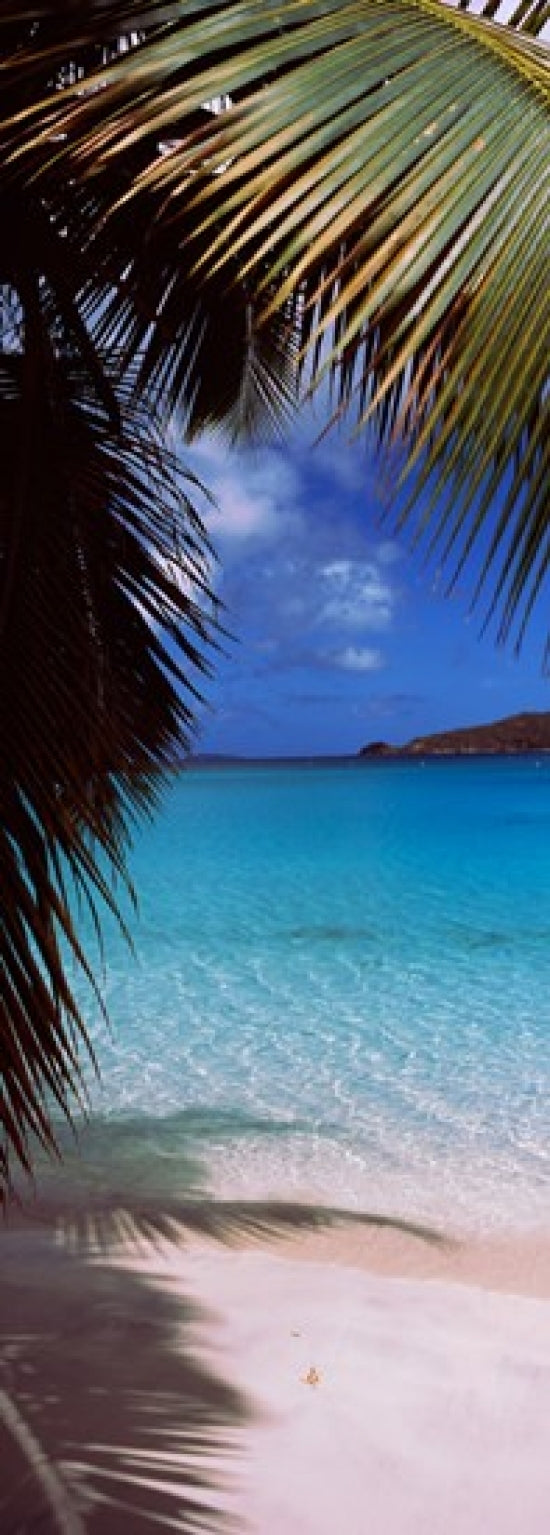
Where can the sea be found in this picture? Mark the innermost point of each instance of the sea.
(340, 991)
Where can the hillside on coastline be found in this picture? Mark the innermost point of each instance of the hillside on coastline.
(516, 734)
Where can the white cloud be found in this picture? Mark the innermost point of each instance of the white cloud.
(358, 658)
(297, 570)
(256, 492)
(243, 515)
(358, 595)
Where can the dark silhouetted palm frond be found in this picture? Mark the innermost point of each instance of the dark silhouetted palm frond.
(105, 621)
(370, 207)
(531, 16)
(106, 609)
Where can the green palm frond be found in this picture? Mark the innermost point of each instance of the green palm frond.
(380, 181)
(370, 208)
(530, 16)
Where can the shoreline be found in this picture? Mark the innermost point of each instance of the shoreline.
(448, 1223)
(513, 1260)
(512, 1263)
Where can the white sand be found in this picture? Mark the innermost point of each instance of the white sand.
(429, 1411)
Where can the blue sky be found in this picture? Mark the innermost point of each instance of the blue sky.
(340, 634)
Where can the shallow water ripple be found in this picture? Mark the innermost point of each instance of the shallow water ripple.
(362, 957)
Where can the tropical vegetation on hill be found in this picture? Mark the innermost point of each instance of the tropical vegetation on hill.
(208, 209)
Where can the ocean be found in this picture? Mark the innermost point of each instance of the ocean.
(341, 990)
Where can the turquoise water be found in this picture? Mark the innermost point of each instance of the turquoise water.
(342, 986)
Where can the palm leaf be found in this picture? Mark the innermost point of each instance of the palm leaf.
(371, 208)
(105, 609)
(529, 16)
(104, 567)
(382, 173)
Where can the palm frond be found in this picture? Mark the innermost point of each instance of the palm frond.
(105, 569)
(529, 16)
(106, 615)
(382, 172)
(371, 208)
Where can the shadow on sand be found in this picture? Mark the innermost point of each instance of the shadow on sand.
(110, 1420)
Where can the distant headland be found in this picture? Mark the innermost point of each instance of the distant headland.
(513, 736)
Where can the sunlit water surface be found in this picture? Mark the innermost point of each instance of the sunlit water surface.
(342, 987)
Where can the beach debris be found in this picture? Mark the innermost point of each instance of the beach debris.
(313, 1377)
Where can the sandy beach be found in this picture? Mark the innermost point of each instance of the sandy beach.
(363, 1380)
